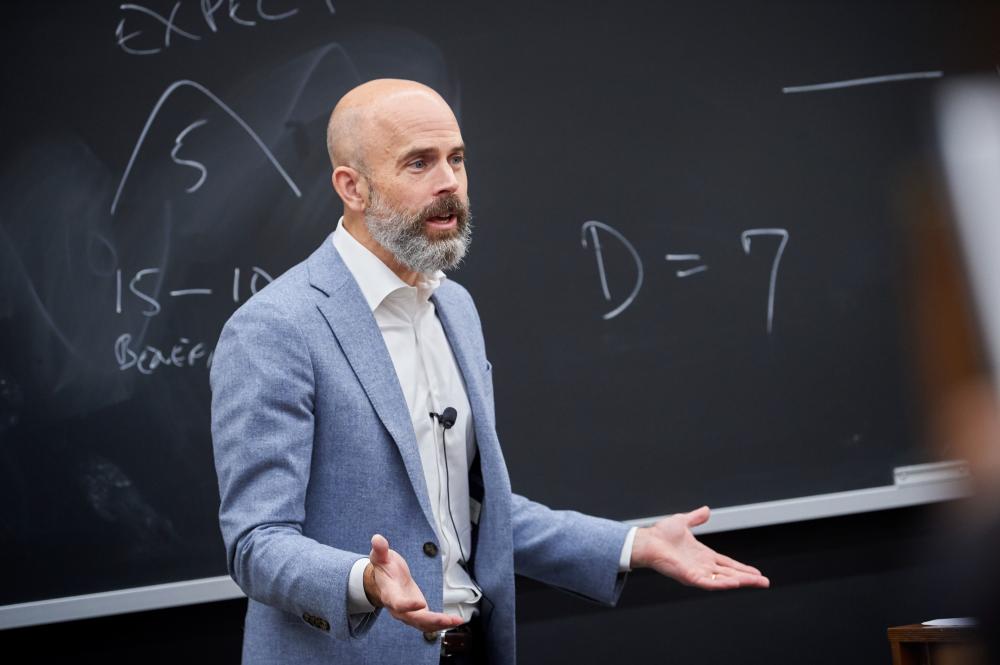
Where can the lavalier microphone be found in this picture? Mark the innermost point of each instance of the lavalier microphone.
(447, 417)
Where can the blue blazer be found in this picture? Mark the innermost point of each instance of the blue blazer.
(315, 453)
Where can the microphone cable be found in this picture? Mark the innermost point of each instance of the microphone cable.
(447, 419)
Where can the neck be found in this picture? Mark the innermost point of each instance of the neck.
(354, 223)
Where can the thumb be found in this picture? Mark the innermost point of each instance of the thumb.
(699, 516)
(380, 550)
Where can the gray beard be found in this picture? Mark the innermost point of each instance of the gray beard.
(402, 234)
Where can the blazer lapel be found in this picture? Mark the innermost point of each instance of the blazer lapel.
(352, 323)
(491, 459)
(463, 354)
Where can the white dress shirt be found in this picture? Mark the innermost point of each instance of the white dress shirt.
(431, 382)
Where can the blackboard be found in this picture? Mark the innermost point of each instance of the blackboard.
(163, 160)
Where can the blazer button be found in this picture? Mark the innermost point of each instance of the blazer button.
(430, 549)
(431, 637)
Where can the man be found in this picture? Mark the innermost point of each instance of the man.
(355, 442)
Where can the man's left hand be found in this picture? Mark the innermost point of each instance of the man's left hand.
(670, 548)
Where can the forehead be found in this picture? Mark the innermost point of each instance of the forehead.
(411, 120)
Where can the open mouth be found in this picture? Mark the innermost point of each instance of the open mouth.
(442, 221)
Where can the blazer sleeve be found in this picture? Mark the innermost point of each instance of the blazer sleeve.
(263, 391)
(563, 548)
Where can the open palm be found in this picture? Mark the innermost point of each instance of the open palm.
(669, 547)
(398, 593)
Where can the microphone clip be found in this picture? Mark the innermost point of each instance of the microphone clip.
(446, 418)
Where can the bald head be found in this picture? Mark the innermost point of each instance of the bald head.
(399, 169)
(370, 116)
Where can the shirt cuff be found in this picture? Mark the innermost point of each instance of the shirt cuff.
(625, 560)
(357, 599)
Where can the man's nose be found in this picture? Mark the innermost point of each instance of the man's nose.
(447, 180)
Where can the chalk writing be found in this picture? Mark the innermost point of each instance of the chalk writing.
(592, 227)
(191, 292)
(169, 27)
(178, 142)
(745, 241)
(153, 20)
(870, 80)
(147, 359)
(687, 257)
(590, 230)
(153, 304)
(133, 286)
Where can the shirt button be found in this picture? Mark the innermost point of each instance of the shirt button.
(431, 637)
(430, 549)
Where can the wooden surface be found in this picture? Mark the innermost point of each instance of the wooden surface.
(917, 644)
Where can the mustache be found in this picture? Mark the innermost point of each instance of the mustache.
(448, 205)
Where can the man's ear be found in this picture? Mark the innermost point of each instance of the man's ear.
(351, 187)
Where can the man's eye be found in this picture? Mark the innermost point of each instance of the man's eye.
(418, 164)
(458, 159)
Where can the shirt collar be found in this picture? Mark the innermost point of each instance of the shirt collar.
(376, 279)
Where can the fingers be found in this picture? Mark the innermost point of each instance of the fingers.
(748, 576)
(698, 517)
(380, 550)
(399, 593)
(746, 579)
(733, 563)
(717, 582)
(428, 621)
(730, 578)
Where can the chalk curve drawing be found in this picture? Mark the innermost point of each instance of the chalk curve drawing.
(185, 83)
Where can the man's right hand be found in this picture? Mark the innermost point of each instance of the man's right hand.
(388, 584)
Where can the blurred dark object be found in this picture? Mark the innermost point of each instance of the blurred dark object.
(955, 297)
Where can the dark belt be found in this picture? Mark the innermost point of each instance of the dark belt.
(463, 644)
